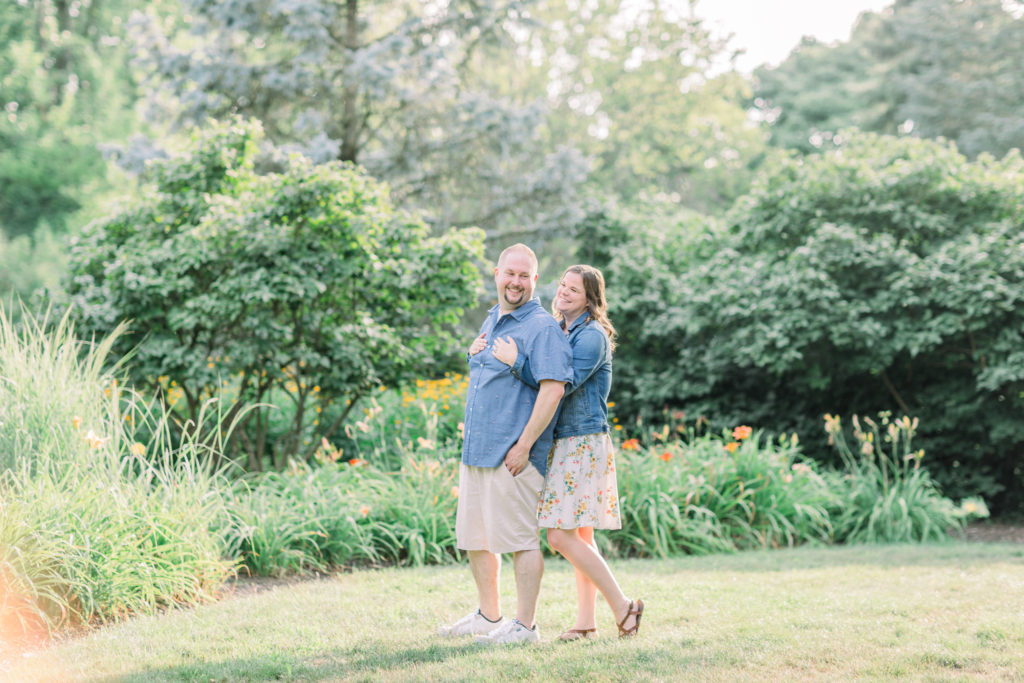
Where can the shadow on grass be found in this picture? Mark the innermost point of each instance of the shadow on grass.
(547, 661)
(944, 554)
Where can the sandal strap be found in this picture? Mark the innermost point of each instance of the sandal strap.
(635, 609)
(577, 634)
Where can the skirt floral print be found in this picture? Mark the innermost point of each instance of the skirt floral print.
(580, 489)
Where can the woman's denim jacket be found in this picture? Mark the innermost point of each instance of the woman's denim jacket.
(584, 408)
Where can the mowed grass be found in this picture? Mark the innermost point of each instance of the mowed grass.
(934, 612)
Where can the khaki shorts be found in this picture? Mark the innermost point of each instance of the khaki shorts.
(498, 512)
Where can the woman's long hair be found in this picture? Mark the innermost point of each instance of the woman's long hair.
(597, 306)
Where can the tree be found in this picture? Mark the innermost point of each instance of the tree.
(65, 88)
(394, 87)
(629, 84)
(931, 68)
(957, 72)
(820, 90)
(304, 288)
(887, 274)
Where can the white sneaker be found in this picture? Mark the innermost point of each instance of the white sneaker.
(470, 625)
(512, 631)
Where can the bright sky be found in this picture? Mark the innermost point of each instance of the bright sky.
(770, 29)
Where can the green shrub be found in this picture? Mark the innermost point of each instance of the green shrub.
(303, 289)
(95, 524)
(886, 274)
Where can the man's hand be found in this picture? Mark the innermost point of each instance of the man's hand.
(479, 344)
(544, 408)
(517, 458)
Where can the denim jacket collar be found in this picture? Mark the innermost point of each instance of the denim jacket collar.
(581, 320)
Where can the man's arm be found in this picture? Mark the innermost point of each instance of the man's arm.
(544, 408)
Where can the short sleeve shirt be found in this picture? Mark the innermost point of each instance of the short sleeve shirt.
(499, 405)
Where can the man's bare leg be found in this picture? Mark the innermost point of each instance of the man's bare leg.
(486, 568)
(529, 567)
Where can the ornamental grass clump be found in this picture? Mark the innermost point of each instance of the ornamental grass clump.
(884, 494)
(338, 513)
(102, 513)
(712, 493)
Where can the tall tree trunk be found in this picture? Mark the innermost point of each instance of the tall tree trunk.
(350, 122)
(62, 63)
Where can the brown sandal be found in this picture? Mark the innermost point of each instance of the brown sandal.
(635, 608)
(578, 634)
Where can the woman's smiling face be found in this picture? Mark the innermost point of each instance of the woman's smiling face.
(571, 298)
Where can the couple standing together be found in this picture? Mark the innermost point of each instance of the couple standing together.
(521, 366)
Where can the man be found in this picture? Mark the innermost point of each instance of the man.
(508, 432)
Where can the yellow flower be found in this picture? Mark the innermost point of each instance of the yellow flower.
(732, 446)
(611, 404)
(618, 427)
(137, 449)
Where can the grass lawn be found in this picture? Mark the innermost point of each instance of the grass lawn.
(935, 612)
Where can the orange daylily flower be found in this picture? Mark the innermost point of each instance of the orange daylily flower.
(742, 432)
(666, 456)
(731, 447)
(630, 444)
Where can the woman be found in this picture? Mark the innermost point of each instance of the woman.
(580, 492)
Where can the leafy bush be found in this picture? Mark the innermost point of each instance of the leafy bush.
(885, 495)
(303, 288)
(887, 274)
(95, 524)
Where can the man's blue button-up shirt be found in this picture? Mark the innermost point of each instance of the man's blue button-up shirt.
(498, 405)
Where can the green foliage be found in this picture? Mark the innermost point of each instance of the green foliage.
(303, 288)
(886, 496)
(66, 89)
(887, 274)
(343, 513)
(682, 491)
(713, 493)
(630, 86)
(934, 68)
(29, 265)
(399, 88)
(95, 524)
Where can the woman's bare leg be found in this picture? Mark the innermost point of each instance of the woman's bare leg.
(588, 561)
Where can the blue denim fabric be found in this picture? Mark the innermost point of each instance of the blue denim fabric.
(584, 408)
(498, 405)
